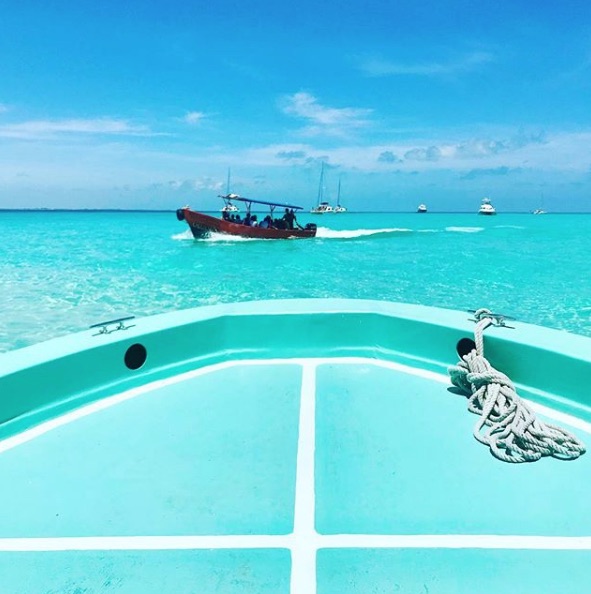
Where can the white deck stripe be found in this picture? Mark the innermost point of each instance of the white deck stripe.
(303, 556)
(292, 541)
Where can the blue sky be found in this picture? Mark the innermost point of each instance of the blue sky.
(148, 104)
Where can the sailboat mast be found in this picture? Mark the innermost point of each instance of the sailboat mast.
(321, 184)
(339, 193)
(228, 183)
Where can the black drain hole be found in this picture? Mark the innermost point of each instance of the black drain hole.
(465, 346)
(135, 356)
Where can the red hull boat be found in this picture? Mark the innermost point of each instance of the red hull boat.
(202, 225)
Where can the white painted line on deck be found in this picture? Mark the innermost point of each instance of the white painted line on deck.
(303, 556)
(293, 541)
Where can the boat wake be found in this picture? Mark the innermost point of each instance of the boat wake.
(183, 236)
(322, 233)
(214, 237)
(326, 233)
(464, 229)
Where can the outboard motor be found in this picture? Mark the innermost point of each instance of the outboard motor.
(310, 227)
(180, 214)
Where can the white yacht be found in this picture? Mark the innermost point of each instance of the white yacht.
(486, 208)
(422, 208)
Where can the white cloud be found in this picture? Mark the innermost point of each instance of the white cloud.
(321, 119)
(195, 185)
(49, 128)
(548, 151)
(467, 63)
(194, 117)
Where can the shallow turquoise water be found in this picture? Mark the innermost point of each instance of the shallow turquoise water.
(63, 271)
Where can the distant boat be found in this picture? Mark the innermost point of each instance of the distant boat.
(228, 205)
(422, 208)
(486, 208)
(322, 207)
(540, 210)
(339, 207)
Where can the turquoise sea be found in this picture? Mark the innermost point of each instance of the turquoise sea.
(63, 271)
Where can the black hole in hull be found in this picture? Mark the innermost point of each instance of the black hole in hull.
(135, 356)
(465, 346)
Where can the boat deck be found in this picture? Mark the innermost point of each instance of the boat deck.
(346, 475)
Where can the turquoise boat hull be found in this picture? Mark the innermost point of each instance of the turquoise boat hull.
(297, 446)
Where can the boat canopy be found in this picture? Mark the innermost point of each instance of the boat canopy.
(252, 201)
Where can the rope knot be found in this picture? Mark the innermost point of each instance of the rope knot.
(507, 425)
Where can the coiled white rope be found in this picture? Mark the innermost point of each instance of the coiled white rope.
(507, 425)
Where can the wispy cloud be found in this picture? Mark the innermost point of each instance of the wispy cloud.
(504, 170)
(388, 157)
(291, 155)
(321, 119)
(381, 67)
(48, 128)
(194, 184)
(432, 153)
(194, 117)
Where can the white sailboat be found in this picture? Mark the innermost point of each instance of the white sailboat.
(322, 207)
(229, 206)
(539, 211)
(339, 207)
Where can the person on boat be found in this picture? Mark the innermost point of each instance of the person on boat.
(225, 215)
(289, 218)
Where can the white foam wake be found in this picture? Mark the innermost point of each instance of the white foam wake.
(213, 237)
(326, 233)
(464, 229)
(183, 236)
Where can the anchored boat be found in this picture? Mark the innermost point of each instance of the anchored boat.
(322, 207)
(287, 227)
(298, 446)
(486, 207)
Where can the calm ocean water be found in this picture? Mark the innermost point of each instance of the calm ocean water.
(63, 271)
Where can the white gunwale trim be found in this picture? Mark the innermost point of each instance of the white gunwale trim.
(109, 401)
